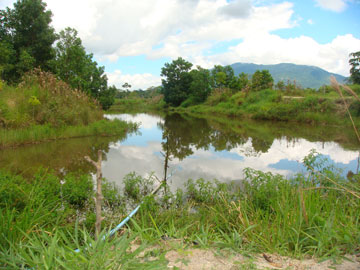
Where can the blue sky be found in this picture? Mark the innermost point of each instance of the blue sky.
(134, 39)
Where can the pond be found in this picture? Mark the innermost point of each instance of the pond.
(196, 148)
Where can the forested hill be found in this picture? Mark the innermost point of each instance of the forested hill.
(306, 76)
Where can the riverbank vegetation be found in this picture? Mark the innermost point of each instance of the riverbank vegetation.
(42, 108)
(220, 92)
(44, 218)
(28, 41)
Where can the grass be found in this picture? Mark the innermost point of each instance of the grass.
(42, 108)
(266, 217)
(55, 250)
(42, 99)
(137, 104)
(305, 216)
(41, 133)
(297, 105)
(313, 108)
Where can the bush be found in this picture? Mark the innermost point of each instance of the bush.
(77, 189)
(218, 95)
(42, 99)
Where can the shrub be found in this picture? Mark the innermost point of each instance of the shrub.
(77, 189)
(41, 98)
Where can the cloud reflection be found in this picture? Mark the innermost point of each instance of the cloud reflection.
(283, 156)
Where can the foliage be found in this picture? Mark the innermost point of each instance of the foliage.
(26, 38)
(200, 86)
(222, 76)
(176, 85)
(56, 251)
(42, 99)
(77, 189)
(355, 67)
(42, 133)
(310, 214)
(77, 68)
(261, 80)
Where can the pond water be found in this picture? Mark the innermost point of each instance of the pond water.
(196, 147)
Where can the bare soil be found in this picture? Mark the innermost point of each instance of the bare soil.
(198, 259)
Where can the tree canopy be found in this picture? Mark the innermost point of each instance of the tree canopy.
(261, 80)
(176, 85)
(26, 42)
(26, 38)
(355, 67)
(185, 86)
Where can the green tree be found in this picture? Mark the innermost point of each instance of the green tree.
(220, 79)
(225, 78)
(355, 67)
(200, 86)
(261, 80)
(27, 36)
(243, 80)
(176, 85)
(74, 66)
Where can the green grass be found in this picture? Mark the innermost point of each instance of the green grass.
(41, 133)
(311, 107)
(137, 104)
(314, 214)
(41, 99)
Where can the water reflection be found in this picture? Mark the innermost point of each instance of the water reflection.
(194, 148)
(213, 150)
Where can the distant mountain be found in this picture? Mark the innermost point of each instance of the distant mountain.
(306, 76)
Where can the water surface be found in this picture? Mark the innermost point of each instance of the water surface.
(197, 147)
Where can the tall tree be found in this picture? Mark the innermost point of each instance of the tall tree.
(355, 67)
(176, 85)
(222, 76)
(74, 66)
(200, 86)
(261, 80)
(27, 31)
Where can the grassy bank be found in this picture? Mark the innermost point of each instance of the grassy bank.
(138, 104)
(312, 107)
(313, 215)
(301, 106)
(42, 133)
(42, 108)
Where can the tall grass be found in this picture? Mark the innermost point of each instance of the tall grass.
(313, 214)
(270, 214)
(40, 133)
(311, 107)
(42, 99)
(55, 250)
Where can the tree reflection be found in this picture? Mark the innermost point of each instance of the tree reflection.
(61, 156)
(182, 134)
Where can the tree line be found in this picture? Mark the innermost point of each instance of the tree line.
(181, 82)
(28, 41)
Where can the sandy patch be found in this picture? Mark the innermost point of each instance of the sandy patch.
(198, 259)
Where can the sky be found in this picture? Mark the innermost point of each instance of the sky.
(133, 39)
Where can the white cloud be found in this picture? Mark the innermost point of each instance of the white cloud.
(144, 157)
(272, 49)
(333, 5)
(146, 121)
(237, 8)
(112, 29)
(310, 21)
(137, 81)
